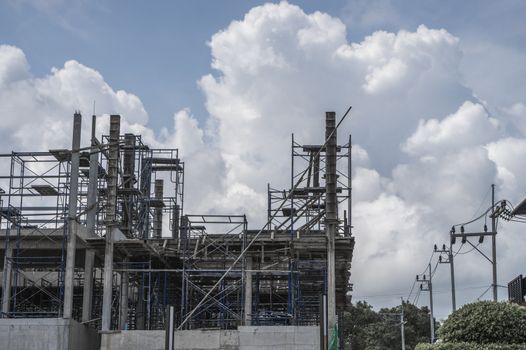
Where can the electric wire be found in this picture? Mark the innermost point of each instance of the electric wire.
(469, 251)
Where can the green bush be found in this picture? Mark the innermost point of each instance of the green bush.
(486, 322)
(470, 346)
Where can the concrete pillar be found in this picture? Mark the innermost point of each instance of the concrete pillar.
(113, 163)
(107, 281)
(316, 171)
(72, 217)
(6, 288)
(331, 214)
(91, 215)
(175, 221)
(248, 292)
(123, 320)
(87, 293)
(158, 211)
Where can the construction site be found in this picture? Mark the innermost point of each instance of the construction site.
(98, 250)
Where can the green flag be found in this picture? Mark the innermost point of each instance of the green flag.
(333, 340)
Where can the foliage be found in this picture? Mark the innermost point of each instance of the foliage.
(470, 346)
(486, 322)
(366, 329)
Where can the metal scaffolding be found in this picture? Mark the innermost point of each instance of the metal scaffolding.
(115, 207)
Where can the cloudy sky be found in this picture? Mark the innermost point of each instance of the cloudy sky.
(437, 89)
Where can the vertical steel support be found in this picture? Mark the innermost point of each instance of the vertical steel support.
(91, 215)
(140, 309)
(324, 331)
(349, 184)
(290, 291)
(6, 288)
(113, 163)
(72, 217)
(494, 243)
(331, 214)
(128, 179)
(170, 328)
(123, 320)
(184, 232)
(248, 292)
(158, 211)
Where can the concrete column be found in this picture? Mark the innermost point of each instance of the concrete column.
(72, 217)
(331, 214)
(107, 281)
(113, 163)
(316, 171)
(87, 293)
(175, 221)
(91, 213)
(6, 288)
(248, 292)
(123, 320)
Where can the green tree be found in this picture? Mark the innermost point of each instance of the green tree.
(357, 320)
(366, 329)
(486, 322)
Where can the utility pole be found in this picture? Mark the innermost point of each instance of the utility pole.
(429, 288)
(466, 235)
(493, 242)
(402, 323)
(449, 260)
(431, 317)
(452, 270)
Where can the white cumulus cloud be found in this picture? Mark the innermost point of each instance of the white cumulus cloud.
(425, 148)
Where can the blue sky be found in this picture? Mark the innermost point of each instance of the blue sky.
(438, 115)
(157, 50)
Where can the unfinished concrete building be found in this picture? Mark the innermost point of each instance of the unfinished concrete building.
(95, 241)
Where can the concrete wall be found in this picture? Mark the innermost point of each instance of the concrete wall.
(133, 340)
(188, 340)
(46, 334)
(245, 338)
(279, 337)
